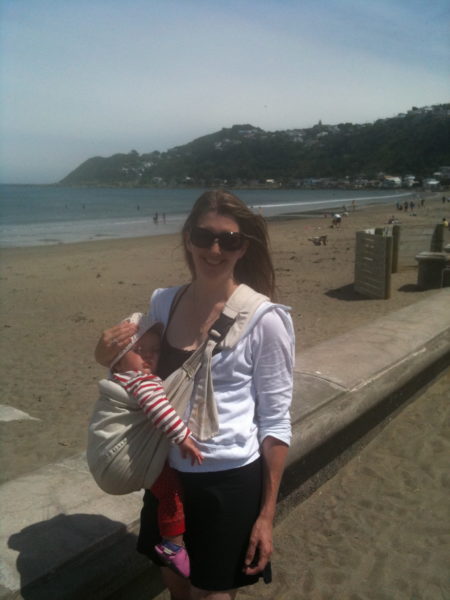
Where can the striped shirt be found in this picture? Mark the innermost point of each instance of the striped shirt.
(151, 397)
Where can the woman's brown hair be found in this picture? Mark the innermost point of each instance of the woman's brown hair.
(255, 268)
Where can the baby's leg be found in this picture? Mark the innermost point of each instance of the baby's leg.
(167, 489)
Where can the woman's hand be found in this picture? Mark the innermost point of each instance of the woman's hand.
(260, 547)
(112, 341)
(188, 448)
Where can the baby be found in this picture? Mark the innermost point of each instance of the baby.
(134, 370)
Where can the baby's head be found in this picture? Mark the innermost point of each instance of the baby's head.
(142, 353)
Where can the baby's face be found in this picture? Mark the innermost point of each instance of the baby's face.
(143, 356)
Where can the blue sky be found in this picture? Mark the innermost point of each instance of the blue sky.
(95, 77)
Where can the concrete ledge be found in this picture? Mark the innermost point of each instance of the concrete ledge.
(340, 379)
(64, 539)
(54, 517)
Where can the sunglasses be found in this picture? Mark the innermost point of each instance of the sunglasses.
(227, 240)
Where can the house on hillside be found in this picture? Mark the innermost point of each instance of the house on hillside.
(430, 183)
(390, 181)
(409, 181)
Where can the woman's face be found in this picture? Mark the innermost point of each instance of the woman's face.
(215, 262)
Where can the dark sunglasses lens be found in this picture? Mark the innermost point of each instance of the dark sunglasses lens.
(202, 238)
(228, 240)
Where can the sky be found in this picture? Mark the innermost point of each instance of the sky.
(96, 77)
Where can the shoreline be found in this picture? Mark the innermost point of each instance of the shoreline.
(374, 208)
(117, 224)
(259, 187)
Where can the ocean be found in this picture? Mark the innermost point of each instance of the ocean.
(32, 215)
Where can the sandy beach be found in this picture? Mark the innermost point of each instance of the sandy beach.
(57, 299)
(378, 530)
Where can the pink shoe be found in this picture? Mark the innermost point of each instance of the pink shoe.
(174, 556)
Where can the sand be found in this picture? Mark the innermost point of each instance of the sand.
(57, 299)
(379, 529)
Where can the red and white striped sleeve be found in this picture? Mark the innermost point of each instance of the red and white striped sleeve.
(150, 396)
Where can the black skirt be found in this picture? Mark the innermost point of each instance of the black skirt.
(221, 508)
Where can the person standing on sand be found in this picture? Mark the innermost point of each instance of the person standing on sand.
(336, 222)
(229, 499)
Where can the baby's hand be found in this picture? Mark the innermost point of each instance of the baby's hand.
(189, 448)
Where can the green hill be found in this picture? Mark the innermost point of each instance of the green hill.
(413, 143)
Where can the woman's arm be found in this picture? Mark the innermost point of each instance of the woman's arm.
(273, 342)
(112, 341)
(274, 453)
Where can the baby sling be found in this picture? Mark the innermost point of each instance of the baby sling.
(125, 452)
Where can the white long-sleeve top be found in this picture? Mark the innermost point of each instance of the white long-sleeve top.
(150, 396)
(252, 387)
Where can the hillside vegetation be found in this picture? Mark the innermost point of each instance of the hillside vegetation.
(413, 143)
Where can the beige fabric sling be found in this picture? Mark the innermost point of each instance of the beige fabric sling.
(125, 453)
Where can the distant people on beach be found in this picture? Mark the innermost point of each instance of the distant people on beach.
(337, 219)
(155, 218)
(319, 240)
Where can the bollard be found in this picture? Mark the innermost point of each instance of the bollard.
(445, 282)
(431, 266)
(437, 240)
(395, 247)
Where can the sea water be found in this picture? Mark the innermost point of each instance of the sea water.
(44, 215)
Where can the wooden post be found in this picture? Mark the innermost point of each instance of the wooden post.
(388, 268)
(437, 241)
(395, 247)
(373, 264)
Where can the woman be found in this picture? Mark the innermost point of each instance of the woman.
(230, 499)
